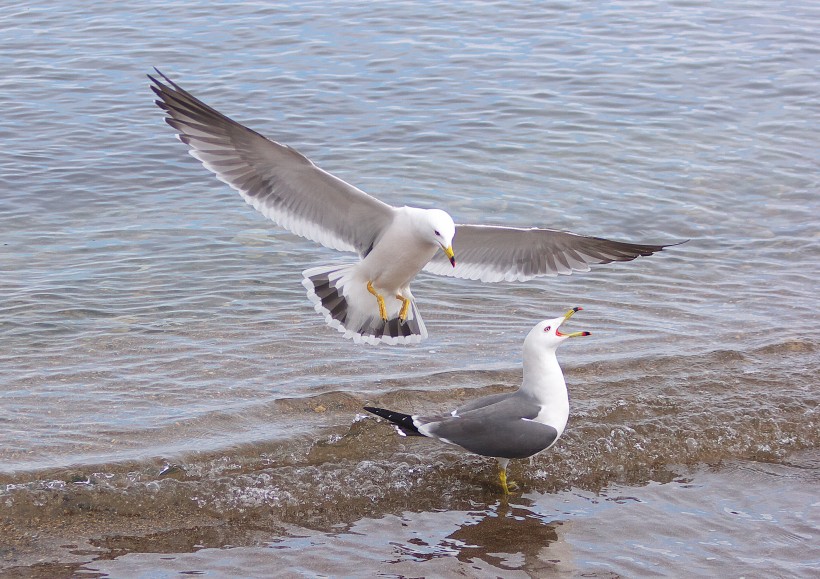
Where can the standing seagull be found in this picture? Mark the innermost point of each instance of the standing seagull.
(370, 301)
(511, 425)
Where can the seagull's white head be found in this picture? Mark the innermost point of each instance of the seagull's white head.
(546, 336)
(441, 230)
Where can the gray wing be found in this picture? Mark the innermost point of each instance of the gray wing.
(482, 402)
(502, 430)
(492, 253)
(275, 179)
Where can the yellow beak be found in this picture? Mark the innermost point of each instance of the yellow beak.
(567, 316)
(448, 251)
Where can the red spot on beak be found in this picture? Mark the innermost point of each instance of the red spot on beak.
(453, 261)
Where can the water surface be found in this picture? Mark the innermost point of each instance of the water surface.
(153, 323)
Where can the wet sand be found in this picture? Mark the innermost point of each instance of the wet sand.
(737, 519)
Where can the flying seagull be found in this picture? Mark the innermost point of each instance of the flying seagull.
(510, 425)
(370, 301)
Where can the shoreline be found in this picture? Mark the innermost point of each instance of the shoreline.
(568, 521)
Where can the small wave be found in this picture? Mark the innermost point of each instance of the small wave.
(622, 431)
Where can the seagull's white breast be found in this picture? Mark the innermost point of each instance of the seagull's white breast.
(398, 255)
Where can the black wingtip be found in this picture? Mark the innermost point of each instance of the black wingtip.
(153, 79)
(159, 73)
(160, 85)
(403, 421)
(653, 249)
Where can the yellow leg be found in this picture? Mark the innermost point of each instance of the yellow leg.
(405, 306)
(502, 477)
(380, 299)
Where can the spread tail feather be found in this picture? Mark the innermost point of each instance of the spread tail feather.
(335, 293)
(404, 422)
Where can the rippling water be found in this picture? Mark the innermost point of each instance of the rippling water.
(152, 322)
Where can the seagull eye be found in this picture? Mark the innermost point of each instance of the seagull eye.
(437, 233)
(547, 329)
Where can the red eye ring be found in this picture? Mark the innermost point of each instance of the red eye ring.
(547, 329)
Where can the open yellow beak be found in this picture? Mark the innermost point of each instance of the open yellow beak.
(567, 316)
(448, 251)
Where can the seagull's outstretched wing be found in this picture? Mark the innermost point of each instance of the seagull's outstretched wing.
(491, 253)
(276, 180)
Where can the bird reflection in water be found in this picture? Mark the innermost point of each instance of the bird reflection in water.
(505, 536)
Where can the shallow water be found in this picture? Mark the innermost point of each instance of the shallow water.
(163, 370)
(658, 529)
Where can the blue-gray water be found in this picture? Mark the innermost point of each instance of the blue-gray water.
(149, 317)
